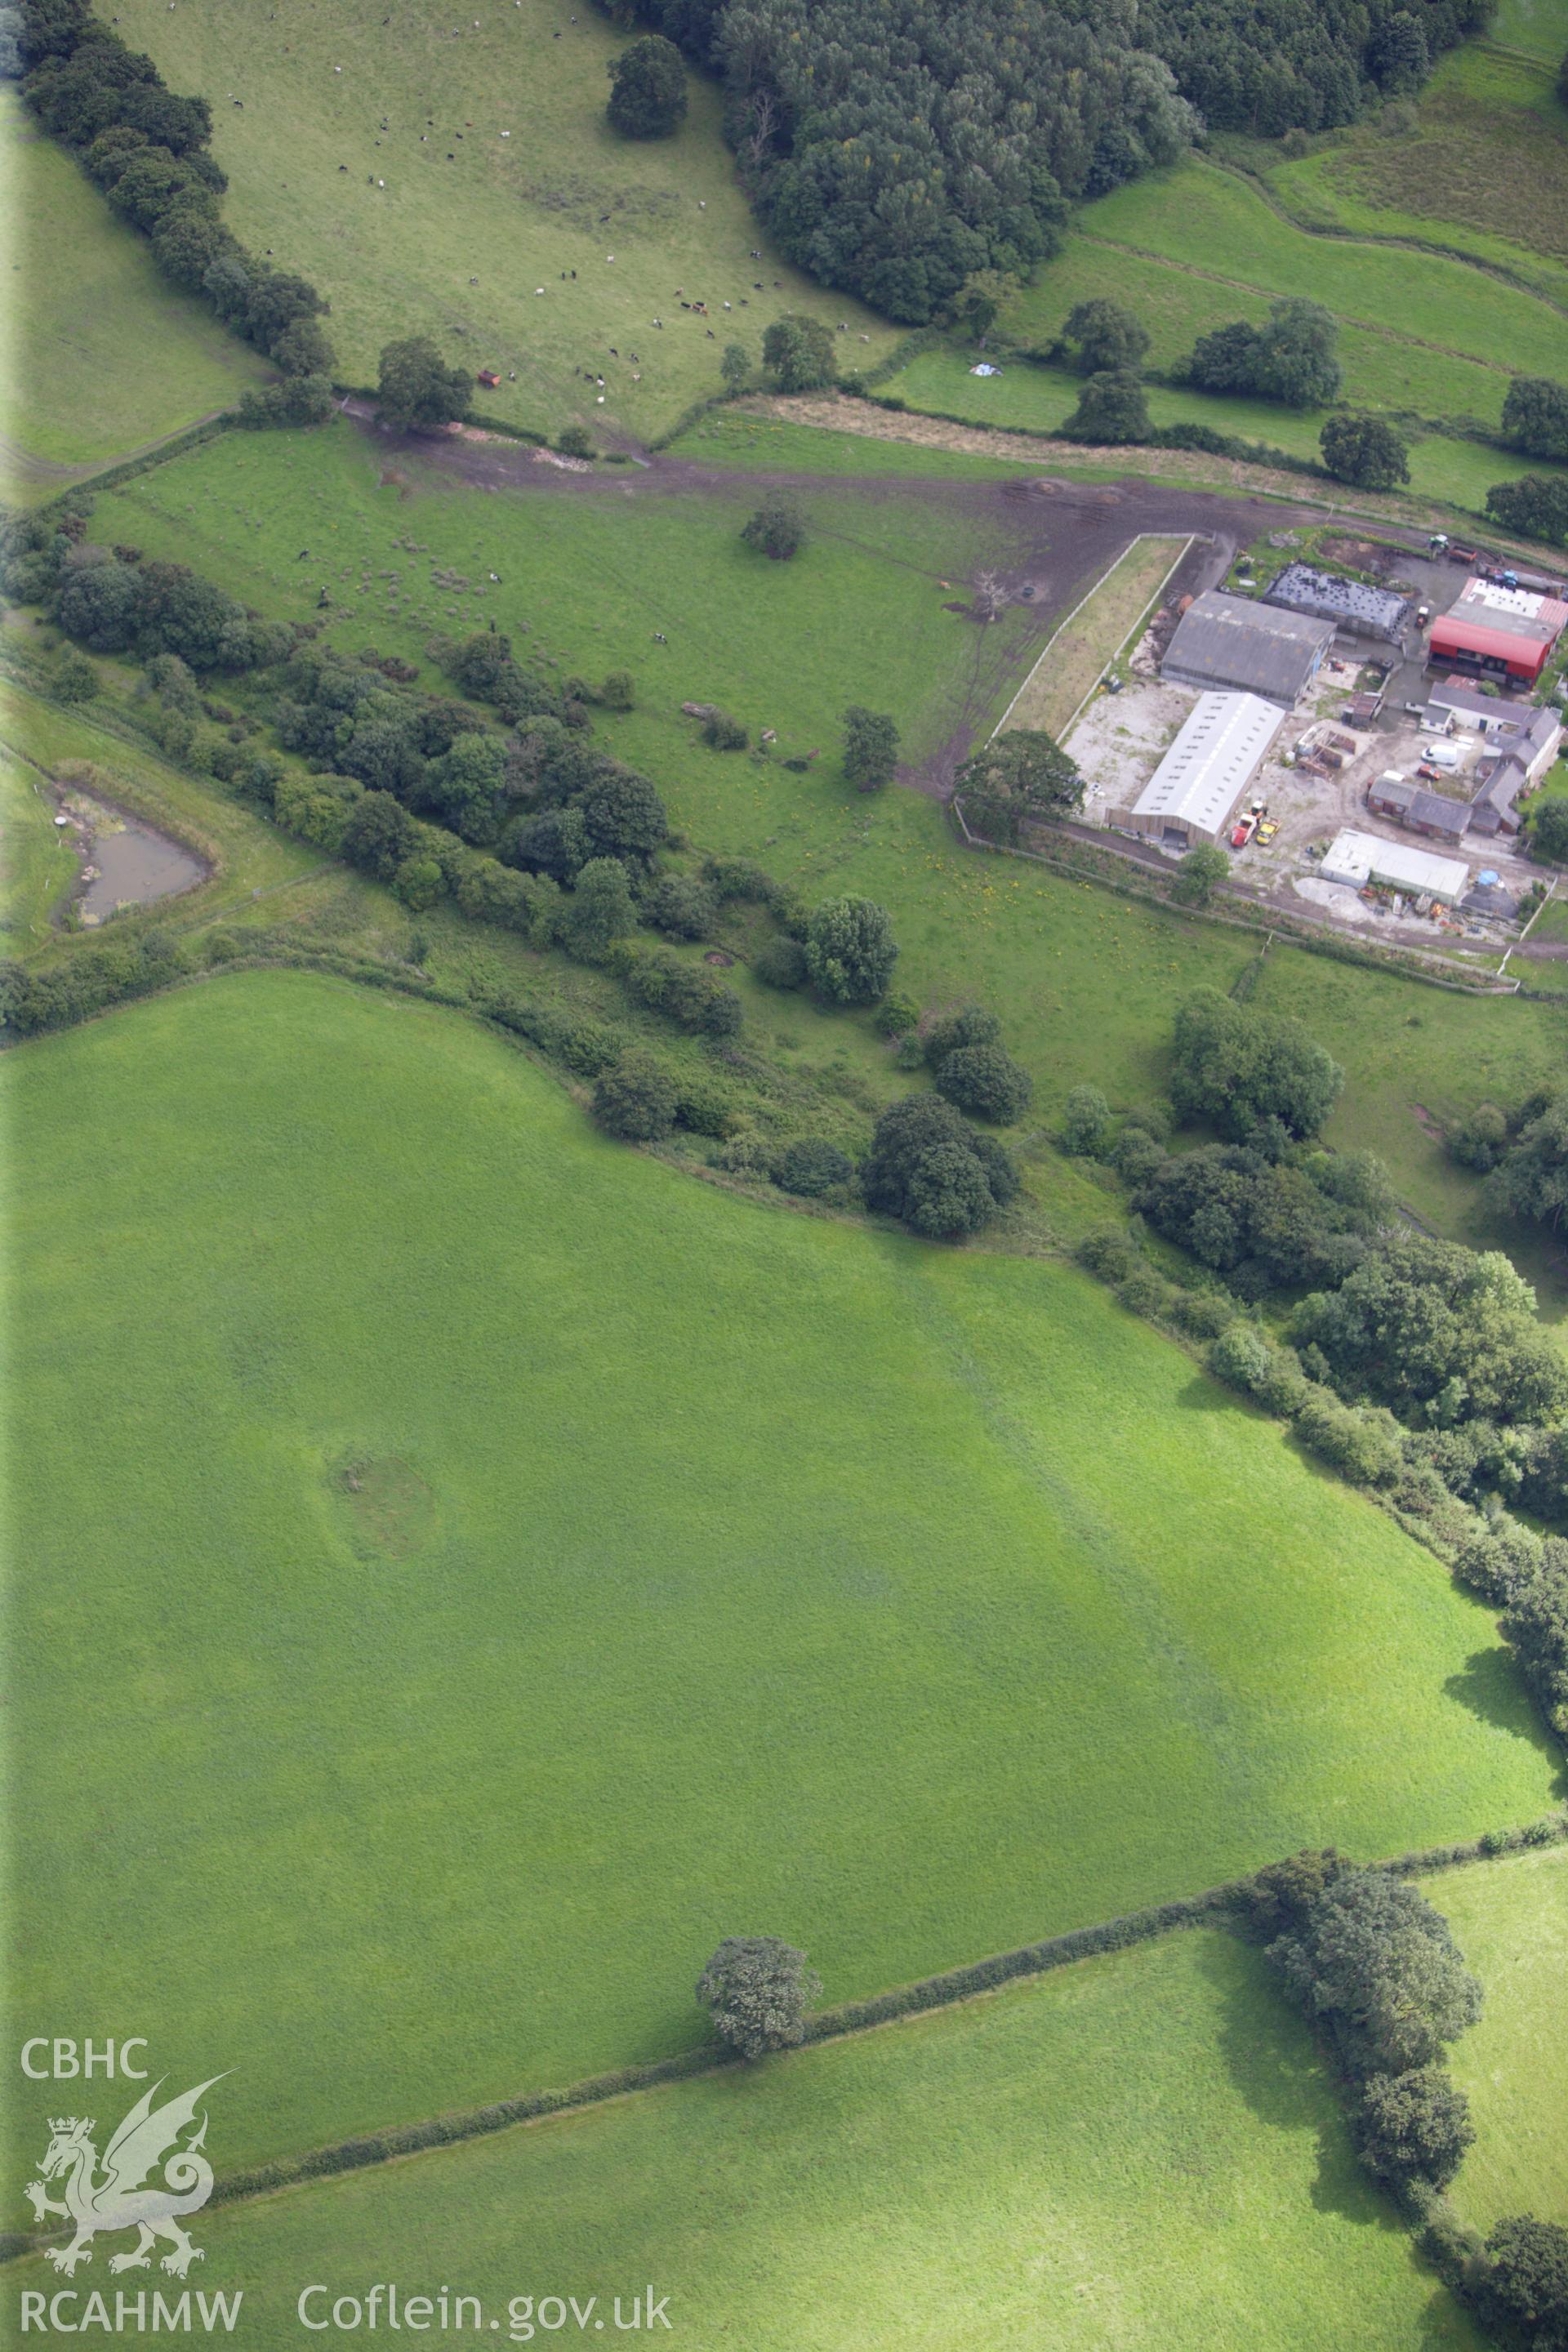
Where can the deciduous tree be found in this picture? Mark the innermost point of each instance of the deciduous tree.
(1536, 416)
(1111, 408)
(416, 388)
(985, 1082)
(1106, 336)
(798, 353)
(849, 949)
(1536, 505)
(635, 1097)
(1199, 874)
(648, 94)
(777, 529)
(756, 1989)
(1015, 778)
(1364, 451)
(870, 748)
(1413, 2126)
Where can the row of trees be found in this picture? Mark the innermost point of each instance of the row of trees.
(1268, 66)
(927, 1165)
(111, 607)
(1413, 1363)
(540, 831)
(148, 148)
(1292, 359)
(1376, 1970)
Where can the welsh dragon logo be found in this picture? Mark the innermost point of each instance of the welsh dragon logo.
(116, 2200)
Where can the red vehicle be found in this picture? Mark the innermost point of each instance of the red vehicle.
(1242, 832)
(1433, 775)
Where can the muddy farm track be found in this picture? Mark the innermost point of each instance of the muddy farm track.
(1052, 536)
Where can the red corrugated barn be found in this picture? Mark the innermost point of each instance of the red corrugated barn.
(1502, 633)
(1478, 646)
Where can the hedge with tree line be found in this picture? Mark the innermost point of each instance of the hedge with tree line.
(148, 149)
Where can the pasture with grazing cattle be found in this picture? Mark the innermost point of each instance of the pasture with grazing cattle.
(460, 181)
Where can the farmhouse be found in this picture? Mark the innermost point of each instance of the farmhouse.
(1196, 791)
(1256, 649)
(1502, 633)
(1514, 770)
(1357, 858)
(1411, 805)
(1455, 703)
(1358, 610)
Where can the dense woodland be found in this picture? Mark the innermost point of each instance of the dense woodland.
(899, 147)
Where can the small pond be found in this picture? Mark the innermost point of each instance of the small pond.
(125, 862)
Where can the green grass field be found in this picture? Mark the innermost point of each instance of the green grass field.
(1141, 2154)
(1422, 334)
(1036, 399)
(1483, 171)
(591, 575)
(470, 1765)
(38, 868)
(480, 209)
(1205, 224)
(1085, 982)
(1537, 29)
(100, 355)
(1510, 1919)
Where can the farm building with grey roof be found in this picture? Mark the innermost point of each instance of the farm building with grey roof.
(1223, 642)
(1350, 605)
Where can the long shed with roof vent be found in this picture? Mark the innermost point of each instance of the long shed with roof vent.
(1196, 791)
